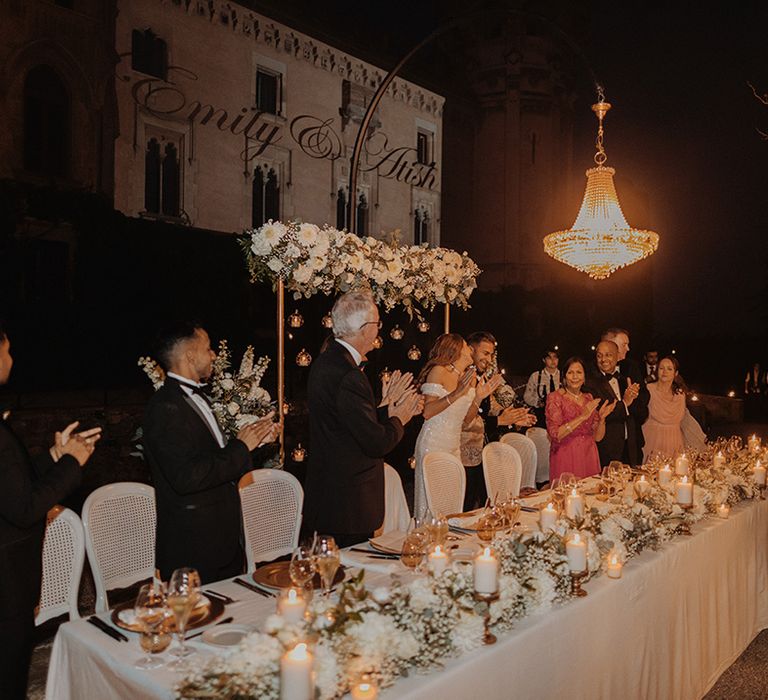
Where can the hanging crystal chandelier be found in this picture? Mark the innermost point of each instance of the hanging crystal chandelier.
(600, 240)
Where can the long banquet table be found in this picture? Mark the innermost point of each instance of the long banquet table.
(675, 621)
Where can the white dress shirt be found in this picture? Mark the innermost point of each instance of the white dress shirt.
(202, 404)
(356, 356)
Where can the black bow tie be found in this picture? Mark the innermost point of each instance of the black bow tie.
(614, 375)
(199, 390)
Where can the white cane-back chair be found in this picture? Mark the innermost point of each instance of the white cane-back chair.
(120, 522)
(526, 448)
(540, 438)
(444, 482)
(271, 501)
(63, 558)
(502, 470)
(396, 513)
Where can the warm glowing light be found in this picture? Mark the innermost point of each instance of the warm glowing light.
(601, 240)
(731, 394)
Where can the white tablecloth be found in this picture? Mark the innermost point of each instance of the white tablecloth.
(676, 620)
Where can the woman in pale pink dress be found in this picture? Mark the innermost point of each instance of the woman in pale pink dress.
(574, 425)
(666, 409)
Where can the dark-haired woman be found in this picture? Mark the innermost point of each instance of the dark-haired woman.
(574, 424)
(666, 410)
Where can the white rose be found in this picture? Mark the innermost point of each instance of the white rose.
(302, 273)
(272, 232)
(307, 234)
(275, 264)
(227, 384)
(233, 408)
(259, 245)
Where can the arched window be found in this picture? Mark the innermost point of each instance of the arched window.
(361, 215)
(420, 226)
(341, 209)
(162, 177)
(171, 180)
(152, 176)
(266, 197)
(47, 123)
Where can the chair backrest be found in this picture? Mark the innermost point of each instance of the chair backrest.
(271, 502)
(396, 513)
(502, 470)
(120, 522)
(540, 438)
(526, 448)
(444, 482)
(63, 558)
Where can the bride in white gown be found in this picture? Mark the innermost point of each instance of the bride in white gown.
(449, 383)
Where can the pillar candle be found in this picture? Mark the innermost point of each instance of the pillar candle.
(576, 550)
(718, 460)
(296, 674)
(438, 561)
(665, 475)
(754, 443)
(642, 486)
(759, 473)
(574, 505)
(614, 567)
(682, 465)
(292, 606)
(684, 491)
(486, 572)
(547, 517)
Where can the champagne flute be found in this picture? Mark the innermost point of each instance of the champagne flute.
(151, 610)
(183, 595)
(437, 529)
(302, 568)
(326, 560)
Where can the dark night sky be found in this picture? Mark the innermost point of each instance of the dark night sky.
(682, 133)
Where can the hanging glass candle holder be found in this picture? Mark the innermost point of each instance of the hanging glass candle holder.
(296, 320)
(385, 375)
(286, 408)
(412, 462)
(414, 353)
(378, 342)
(299, 454)
(303, 359)
(327, 321)
(397, 333)
(423, 326)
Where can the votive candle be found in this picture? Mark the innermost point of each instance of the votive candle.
(682, 465)
(574, 505)
(754, 443)
(296, 674)
(665, 475)
(364, 690)
(438, 561)
(718, 460)
(576, 551)
(614, 567)
(292, 606)
(486, 572)
(684, 492)
(723, 511)
(548, 517)
(759, 473)
(642, 486)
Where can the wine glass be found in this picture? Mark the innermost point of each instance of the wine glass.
(326, 560)
(511, 508)
(414, 549)
(183, 595)
(302, 567)
(151, 610)
(437, 528)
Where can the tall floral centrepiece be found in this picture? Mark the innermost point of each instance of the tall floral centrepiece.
(420, 623)
(313, 260)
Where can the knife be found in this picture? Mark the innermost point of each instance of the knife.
(225, 621)
(374, 553)
(253, 588)
(104, 627)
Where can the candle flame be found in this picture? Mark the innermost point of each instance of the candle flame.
(642, 477)
(292, 595)
(576, 538)
(364, 687)
(438, 549)
(684, 480)
(614, 560)
(487, 552)
(758, 465)
(299, 652)
(550, 506)
(574, 492)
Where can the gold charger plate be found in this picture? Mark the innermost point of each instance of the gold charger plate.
(276, 575)
(199, 616)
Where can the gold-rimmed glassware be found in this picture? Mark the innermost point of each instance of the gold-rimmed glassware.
(183, 596)
(152, 616)
(327, 558)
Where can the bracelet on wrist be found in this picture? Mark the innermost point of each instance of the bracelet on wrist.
(448, 399)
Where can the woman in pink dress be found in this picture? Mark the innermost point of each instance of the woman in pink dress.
(574, 425)
(666, 409)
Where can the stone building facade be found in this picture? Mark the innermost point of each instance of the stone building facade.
(228, 119)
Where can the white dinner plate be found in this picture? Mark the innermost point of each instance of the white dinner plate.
(226, 635)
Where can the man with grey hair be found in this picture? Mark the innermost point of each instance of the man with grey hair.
(349, 434)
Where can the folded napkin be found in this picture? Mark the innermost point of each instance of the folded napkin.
(465, 523)
(391, 542)
(361, 561)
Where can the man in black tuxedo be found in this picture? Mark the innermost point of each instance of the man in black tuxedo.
(194, 468)
(623, 439)
(628, 367)
(349, 434)
(30, 488)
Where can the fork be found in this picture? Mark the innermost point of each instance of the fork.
(227, 600)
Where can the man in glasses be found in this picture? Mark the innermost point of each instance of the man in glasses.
(349, 434)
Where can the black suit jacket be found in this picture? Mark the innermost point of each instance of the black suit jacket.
(349, 437)
(29, 488)
(611, 447)
(198, 507)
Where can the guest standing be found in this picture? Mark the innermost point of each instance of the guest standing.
(575, 424)
(194, 468)
(629, 367)
(541, 383)
(651, 366)
(623, 439)
(349, 434)
(666, 410)
(30, 488)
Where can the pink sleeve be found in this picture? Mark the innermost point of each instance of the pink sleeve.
(554, 413)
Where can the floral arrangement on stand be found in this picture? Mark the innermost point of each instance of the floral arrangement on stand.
(313, 260)
(421, 622)
(237, 398)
